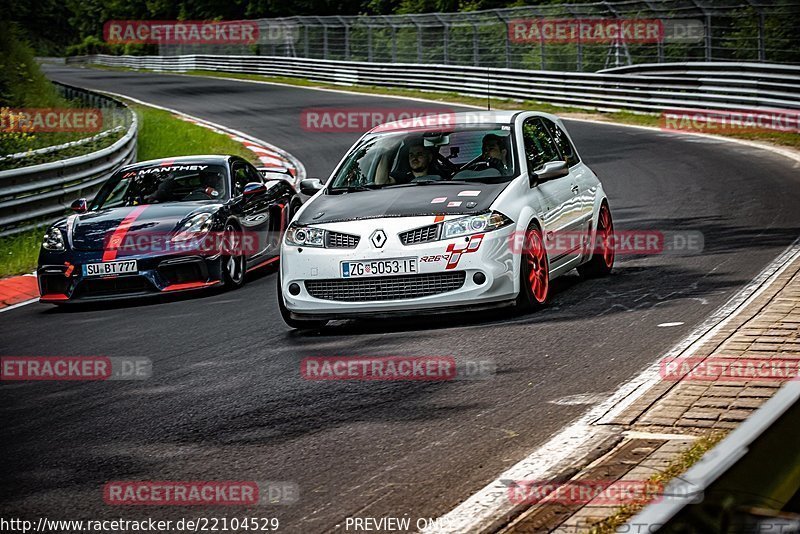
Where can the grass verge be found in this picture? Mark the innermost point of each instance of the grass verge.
(20, 252)
(636, 119)
(161, 134)
(687, 459)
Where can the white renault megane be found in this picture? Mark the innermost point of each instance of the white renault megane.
(467, 210)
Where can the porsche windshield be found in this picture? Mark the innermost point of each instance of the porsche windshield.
(483, 153)
(163, 183)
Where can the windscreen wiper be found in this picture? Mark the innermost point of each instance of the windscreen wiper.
(431, 182)
(355, 188)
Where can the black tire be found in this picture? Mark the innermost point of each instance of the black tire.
(300, 324)
(534, 270)
(601, 264)
(233, 266)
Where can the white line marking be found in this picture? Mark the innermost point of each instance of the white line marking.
(666, 325)
(581, 398)
(634, 434)
(19, 305)
(489, 504)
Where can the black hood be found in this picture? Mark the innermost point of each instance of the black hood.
(402, 201)
(91, 230)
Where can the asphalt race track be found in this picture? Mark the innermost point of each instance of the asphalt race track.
(227, 402)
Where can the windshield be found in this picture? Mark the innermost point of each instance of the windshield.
(163, 183)
(481, 153)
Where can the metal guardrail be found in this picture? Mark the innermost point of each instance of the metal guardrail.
(694, 30)
(752, 472)
(40, 194)
(642, 88)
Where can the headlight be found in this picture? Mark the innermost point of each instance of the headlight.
(305, 236)
(474, 224)
(195, 227)
(53, 239)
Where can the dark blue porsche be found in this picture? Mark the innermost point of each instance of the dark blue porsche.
(168, 225)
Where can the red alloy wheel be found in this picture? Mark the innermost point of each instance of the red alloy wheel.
(538, 271)
(605, 228)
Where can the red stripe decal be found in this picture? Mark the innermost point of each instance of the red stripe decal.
(439, 218)
(260, 265)
(189, 285)
(110, 253)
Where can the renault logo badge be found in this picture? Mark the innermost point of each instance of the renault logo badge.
(378, 238)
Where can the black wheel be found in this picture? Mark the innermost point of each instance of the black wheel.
(534, 271)
(234, 263)
(602, 260)
(300, 324)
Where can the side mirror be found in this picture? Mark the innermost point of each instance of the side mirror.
(80, 206)
(310, 186)
(550, 171)
(254, 188)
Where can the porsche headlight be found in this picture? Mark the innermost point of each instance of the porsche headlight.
(53, 240)
(305, 236)
(195, 227)
(474, 224)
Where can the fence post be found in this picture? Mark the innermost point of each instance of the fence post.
(346, 37)
(445, 38)
(504, 22)
(762, 50)
(476, 55)
(369, 42)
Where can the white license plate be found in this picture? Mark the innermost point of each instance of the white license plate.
(363, 269)
(110, 268)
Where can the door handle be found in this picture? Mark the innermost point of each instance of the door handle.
(575, 189)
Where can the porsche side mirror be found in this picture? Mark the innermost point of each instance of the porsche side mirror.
(310, 186)
(253, 188)
(550, 171)
(80, 206)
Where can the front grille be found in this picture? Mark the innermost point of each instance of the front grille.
(420, 235)
(114, 286)
(386, 287)
(340, 240)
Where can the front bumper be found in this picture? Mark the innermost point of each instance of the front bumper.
(485, 263)
(62, 281)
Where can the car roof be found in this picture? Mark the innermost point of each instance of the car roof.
(451, 119)
(212, 159)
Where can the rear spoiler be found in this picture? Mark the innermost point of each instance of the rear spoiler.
(276, 173)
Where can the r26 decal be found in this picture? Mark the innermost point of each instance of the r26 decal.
(438, 257)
